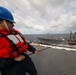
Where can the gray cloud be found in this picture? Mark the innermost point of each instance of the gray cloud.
(43, 16)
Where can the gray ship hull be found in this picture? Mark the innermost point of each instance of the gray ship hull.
(51, 41)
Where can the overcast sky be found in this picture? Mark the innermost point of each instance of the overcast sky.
(43, 16)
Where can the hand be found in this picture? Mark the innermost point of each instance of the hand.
(36, 51)
(19, 58)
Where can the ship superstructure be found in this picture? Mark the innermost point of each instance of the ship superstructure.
(72, 39)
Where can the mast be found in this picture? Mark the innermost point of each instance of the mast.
(71, 38)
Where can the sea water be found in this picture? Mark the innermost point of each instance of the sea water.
(33, 37)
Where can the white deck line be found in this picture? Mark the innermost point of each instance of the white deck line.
(56, 47)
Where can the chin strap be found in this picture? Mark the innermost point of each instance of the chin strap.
(5, 24)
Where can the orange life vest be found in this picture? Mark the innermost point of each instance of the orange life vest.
(12, 44)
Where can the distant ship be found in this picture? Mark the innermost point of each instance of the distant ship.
(54, 40)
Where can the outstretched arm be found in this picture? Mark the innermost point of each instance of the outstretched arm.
(32, 49)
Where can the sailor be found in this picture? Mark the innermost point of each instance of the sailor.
(13, 48)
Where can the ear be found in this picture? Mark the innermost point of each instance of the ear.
(0, 21)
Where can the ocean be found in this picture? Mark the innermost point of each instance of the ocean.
(33, 37)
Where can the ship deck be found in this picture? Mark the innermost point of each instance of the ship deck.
(51, 61)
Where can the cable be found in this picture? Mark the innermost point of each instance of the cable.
(39, 51)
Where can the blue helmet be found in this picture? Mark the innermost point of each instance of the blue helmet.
(6, 15)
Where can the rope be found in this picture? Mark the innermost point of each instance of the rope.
(39, 50)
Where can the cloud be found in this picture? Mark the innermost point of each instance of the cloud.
(43, 16)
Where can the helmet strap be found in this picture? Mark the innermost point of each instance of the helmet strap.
(5, 24)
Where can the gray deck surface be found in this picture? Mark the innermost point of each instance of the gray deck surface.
(55, 62)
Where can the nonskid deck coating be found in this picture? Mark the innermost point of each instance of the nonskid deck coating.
(53, 61)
